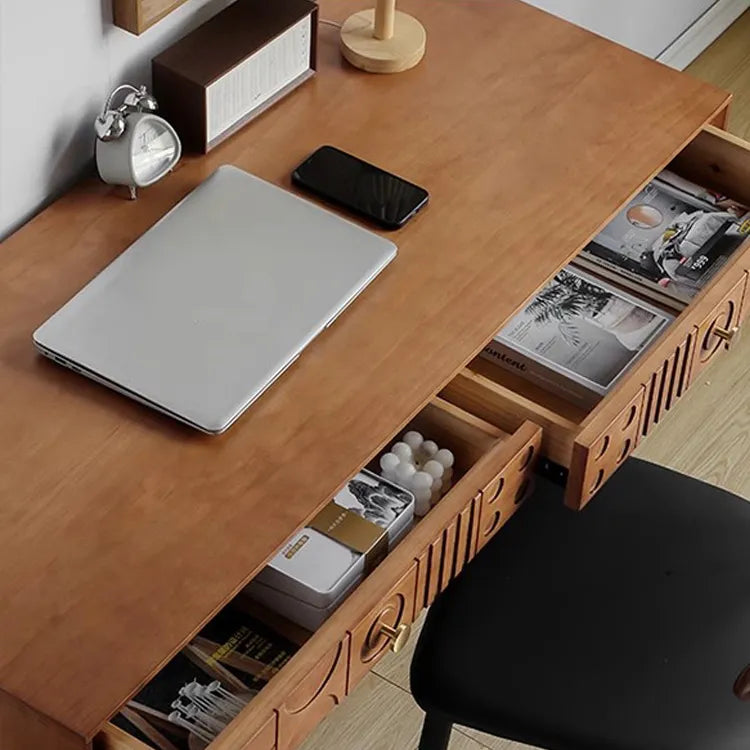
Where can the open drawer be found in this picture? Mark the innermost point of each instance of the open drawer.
(586, 447)
(492, 476)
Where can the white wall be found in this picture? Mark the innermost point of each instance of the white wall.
(647, 26)
(58, 61)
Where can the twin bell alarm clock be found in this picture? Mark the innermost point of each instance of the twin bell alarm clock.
(134, 146)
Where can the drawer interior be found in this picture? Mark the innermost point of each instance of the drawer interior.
(139, 726)
(714, 159)
(468, 436)
(508, 400)
(717, 160)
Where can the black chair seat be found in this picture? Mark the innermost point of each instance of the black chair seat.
(623, 627)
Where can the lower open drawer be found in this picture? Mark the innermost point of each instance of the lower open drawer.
(585, 447)
(492, 476)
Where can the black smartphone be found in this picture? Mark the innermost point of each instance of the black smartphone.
(354, 184)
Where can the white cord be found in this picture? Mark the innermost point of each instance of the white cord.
(330, 23)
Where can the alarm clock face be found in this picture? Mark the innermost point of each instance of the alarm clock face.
(155, 149)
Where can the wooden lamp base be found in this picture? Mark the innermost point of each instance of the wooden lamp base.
(364, 50)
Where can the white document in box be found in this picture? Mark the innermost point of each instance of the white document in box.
(316, 569)
(313, 561)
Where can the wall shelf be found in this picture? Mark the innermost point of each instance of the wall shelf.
(136, 16)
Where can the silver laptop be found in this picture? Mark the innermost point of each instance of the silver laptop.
(201, 314)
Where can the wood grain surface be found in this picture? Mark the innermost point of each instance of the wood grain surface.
(720, 160)
(21, 728)
(506, 399)
(122, 532)
(138, 15)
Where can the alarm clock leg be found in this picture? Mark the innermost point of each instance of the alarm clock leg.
(133, 192)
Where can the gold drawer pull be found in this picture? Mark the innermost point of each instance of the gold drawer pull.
(398, 636)
(726, 334)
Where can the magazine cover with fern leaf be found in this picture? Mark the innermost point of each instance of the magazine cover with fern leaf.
(577, 336)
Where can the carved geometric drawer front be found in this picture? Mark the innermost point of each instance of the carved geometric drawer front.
(668, 384)
(321, 691)
(716, 332)
(502, 497)
(386, 627)
(446, 557)
(595, 462)
(265, 739)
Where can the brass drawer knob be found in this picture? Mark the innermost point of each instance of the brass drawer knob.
(398, 636)
(726, 334)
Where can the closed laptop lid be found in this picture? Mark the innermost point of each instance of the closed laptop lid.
(201, 313)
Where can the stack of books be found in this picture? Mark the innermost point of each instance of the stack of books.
(598, 316)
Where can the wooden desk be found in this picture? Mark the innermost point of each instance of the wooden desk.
(121, 532)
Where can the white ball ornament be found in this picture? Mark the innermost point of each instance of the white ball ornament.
(422, 481)
(445, 457)
(421, 466)
(428, 449)
(403, 451)
(423, 502)
(413, 439)
(389, 462)
(404, 473)
(434, 469)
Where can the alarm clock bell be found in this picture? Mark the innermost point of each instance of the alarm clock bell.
(134, 147)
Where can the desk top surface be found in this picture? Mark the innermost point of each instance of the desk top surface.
(122, 532)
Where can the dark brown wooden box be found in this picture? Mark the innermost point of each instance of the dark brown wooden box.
(183, 73)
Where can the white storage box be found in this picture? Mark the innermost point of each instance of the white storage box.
(313, 572)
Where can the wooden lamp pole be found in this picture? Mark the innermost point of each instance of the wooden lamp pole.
(383, 40)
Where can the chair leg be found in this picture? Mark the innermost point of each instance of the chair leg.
(436, 733)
